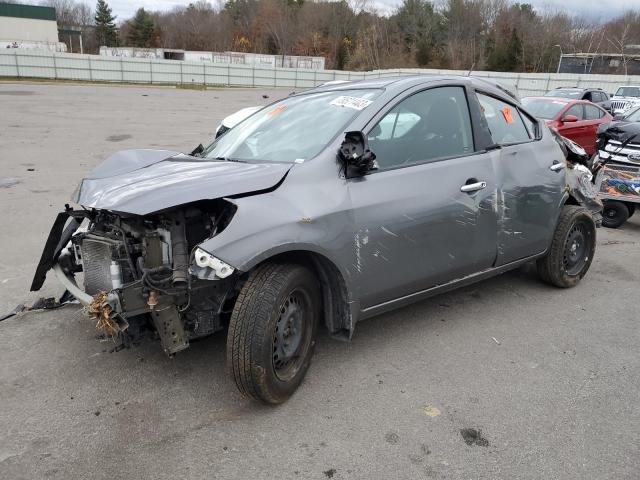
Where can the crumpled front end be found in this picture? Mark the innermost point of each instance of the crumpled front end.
(579, 177)
(144, 271)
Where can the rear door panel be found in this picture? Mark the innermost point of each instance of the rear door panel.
(528, 197)
(527, 191)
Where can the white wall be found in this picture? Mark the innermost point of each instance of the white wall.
(14, 29)
(40, 64)
(234, 58)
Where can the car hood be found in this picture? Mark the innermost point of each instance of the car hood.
(630, 100)
(620, 131)
(146, 181)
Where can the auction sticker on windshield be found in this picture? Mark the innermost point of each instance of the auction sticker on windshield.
(356, 103)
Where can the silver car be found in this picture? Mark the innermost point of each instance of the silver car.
(327, 207)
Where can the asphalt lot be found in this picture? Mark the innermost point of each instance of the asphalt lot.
(506, 379)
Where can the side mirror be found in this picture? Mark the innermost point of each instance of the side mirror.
(197, 151)
(617, 117)
(569, 119)
(355, 153)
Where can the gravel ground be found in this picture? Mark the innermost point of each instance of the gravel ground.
(506, 379)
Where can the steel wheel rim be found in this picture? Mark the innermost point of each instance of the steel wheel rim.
(577, 248)
(291, 335)
(611, 213)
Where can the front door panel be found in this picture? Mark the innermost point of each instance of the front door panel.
(415, 229)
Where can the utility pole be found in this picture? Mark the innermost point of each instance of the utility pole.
(560, 59)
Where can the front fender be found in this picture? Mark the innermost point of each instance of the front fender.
(267, 225)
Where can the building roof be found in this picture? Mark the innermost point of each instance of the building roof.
(27, 11)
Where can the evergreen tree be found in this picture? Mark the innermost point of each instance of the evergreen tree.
(142, 28)
(105, 24)
(505, 57)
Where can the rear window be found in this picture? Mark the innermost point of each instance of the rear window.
(591, 112)
(543, 108)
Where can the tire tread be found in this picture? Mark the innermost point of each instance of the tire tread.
(249, 324)
(549, 266)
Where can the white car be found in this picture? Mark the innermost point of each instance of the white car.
(625, 99)
(234, 119)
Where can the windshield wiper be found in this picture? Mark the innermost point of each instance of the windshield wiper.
(227, 159)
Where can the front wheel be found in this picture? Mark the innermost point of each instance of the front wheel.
(272, 331)
(572, 248)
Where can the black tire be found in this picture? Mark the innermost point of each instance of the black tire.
(632, 209)
(272, 331)
(614, 214)
(572, 248)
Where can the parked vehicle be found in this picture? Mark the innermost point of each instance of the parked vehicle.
(329, 206)
(575, 119)
(235, 118)
(593, 95)
(625, 99)
(617, 169)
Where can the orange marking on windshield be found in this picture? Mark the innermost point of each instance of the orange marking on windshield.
(276, 110)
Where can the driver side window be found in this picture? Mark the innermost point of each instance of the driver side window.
(426, 126)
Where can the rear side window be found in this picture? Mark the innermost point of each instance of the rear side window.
(504, 121)
(591, 112)
(575, 110)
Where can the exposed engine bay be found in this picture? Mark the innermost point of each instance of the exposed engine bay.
(149, 269)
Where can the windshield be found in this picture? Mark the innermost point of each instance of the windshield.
(633, 116)
(543, 108)
(292, 130)
(628, 92)
(564, 93)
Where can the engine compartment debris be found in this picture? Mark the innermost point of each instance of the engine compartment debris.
(100, 311)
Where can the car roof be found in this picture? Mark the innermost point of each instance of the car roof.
(580, 89)
(402, 82)
(557, 99)
(384, 82)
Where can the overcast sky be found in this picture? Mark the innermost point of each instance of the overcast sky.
(591, 9)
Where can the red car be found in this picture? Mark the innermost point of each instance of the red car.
(577, 120)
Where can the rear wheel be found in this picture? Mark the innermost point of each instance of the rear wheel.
(614, 214)
(632, 209)
(572, 248)
(272, 331)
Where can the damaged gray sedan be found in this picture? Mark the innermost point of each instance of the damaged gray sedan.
(328, 207)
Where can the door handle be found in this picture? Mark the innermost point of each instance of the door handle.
(557, 166)
(472, 187)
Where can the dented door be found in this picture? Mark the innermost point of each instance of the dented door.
(415, 228)
(529, 193)
(530, 180)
